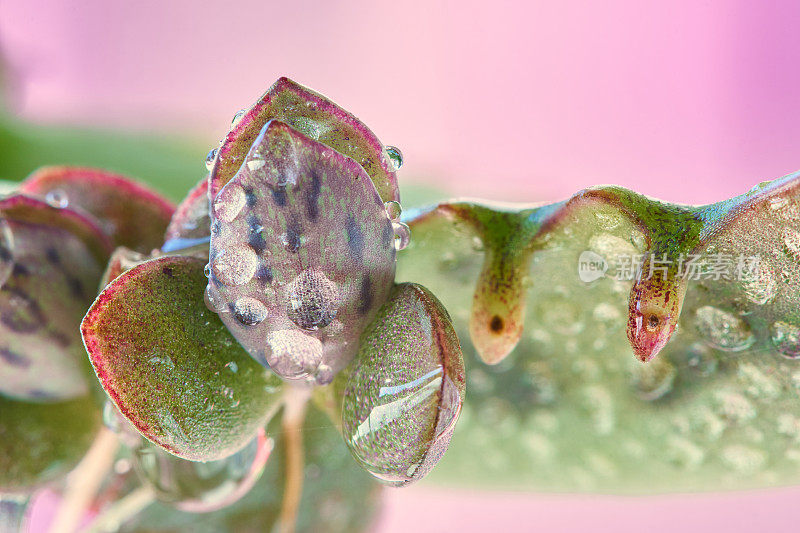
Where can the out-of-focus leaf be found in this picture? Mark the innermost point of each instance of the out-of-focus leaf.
(302, 254)
(131, 214)
(338, 496)
(572, 409)
(192, 219)
(406, 389)
(316, 117)
(41, 442)
(53, 259)
(170, 365)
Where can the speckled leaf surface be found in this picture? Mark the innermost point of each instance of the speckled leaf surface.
(131, 214)
(406, 388)
(572, 407)
(315, 116)
(302, 254)
(338, 496)
(53, 259)
(170, 365)
(41, 442)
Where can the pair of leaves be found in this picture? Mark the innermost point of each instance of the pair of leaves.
(571, 408)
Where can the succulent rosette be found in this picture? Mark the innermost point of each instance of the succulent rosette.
(275, 284)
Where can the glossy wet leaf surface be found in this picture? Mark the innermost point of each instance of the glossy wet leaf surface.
(338, 496)
(571, 408)
(302, 255)
(53, 259)
(40, 442)
(171, 366)
(315, 116)
(131, 214)
(192, 218)
(406, 388)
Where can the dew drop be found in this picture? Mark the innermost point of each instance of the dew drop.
(210, 158)
(201, 486)
(394, 158)
(237, 117)
(235, 266)
(249, 311)
(759, 287)
(207, 270)
(213, 301)
(313, 300)
(229, 202)
(6, 251)
(393, 209)
(654, 379)
(402, 235)
(57, 198)
(786, 339)
(293, 354)
(722, 330)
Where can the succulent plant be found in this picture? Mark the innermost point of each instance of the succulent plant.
(281, 315)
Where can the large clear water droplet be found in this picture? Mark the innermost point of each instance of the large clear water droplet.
(235, 265)
(786, 339)
(229, 202)
(393, 209)
(237, 117)
(210, 158)
(394, 158)
(759, 286)
(6, 251)
(402, 235)
(199, 487)
(313, 300)
(57, 198)
(723, 330)
(249, 311)
(293, 354)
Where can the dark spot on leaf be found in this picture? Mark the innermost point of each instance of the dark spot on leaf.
(168, 272)
(264, 274)
(13, 358)
(365, 295)
(294, 231)
(52, 255)
(312, 200)
(256, 238)
(250, 197)
(496, 324)
(355, 237)
(21, 313)
(75, 287)
(279, 195)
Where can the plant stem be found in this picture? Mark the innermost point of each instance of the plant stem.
(84, 482)
(13, 508)
(122, 510)
(295, 402)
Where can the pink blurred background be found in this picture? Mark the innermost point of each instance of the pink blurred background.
(686, 101)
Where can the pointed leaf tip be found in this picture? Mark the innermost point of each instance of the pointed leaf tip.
(314, 116)
(405, 392)
(170, 365)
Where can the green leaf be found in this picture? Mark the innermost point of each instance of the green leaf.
(302, 254)
(571, 408)
(129, 213)
(41, 442)
(316, 117)
(171, 367)
(405, 391)
(338, 496)
(53, 259)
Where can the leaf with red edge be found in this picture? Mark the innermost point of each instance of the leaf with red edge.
(57, 257)
(131, 214)
(315, 116)
(171, 366)
(191, 220)
(302, 254)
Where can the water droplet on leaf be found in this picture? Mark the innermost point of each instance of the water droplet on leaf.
(235, 266)
(249, 311)
(393, 209)
(6, 251)
(402, 235)
(313, 300)
(722, 330)
(57, 198)
(293, 354)
(210, 158)
(786, 339)
(394, 158)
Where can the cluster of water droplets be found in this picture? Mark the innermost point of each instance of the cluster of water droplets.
(402, 233)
